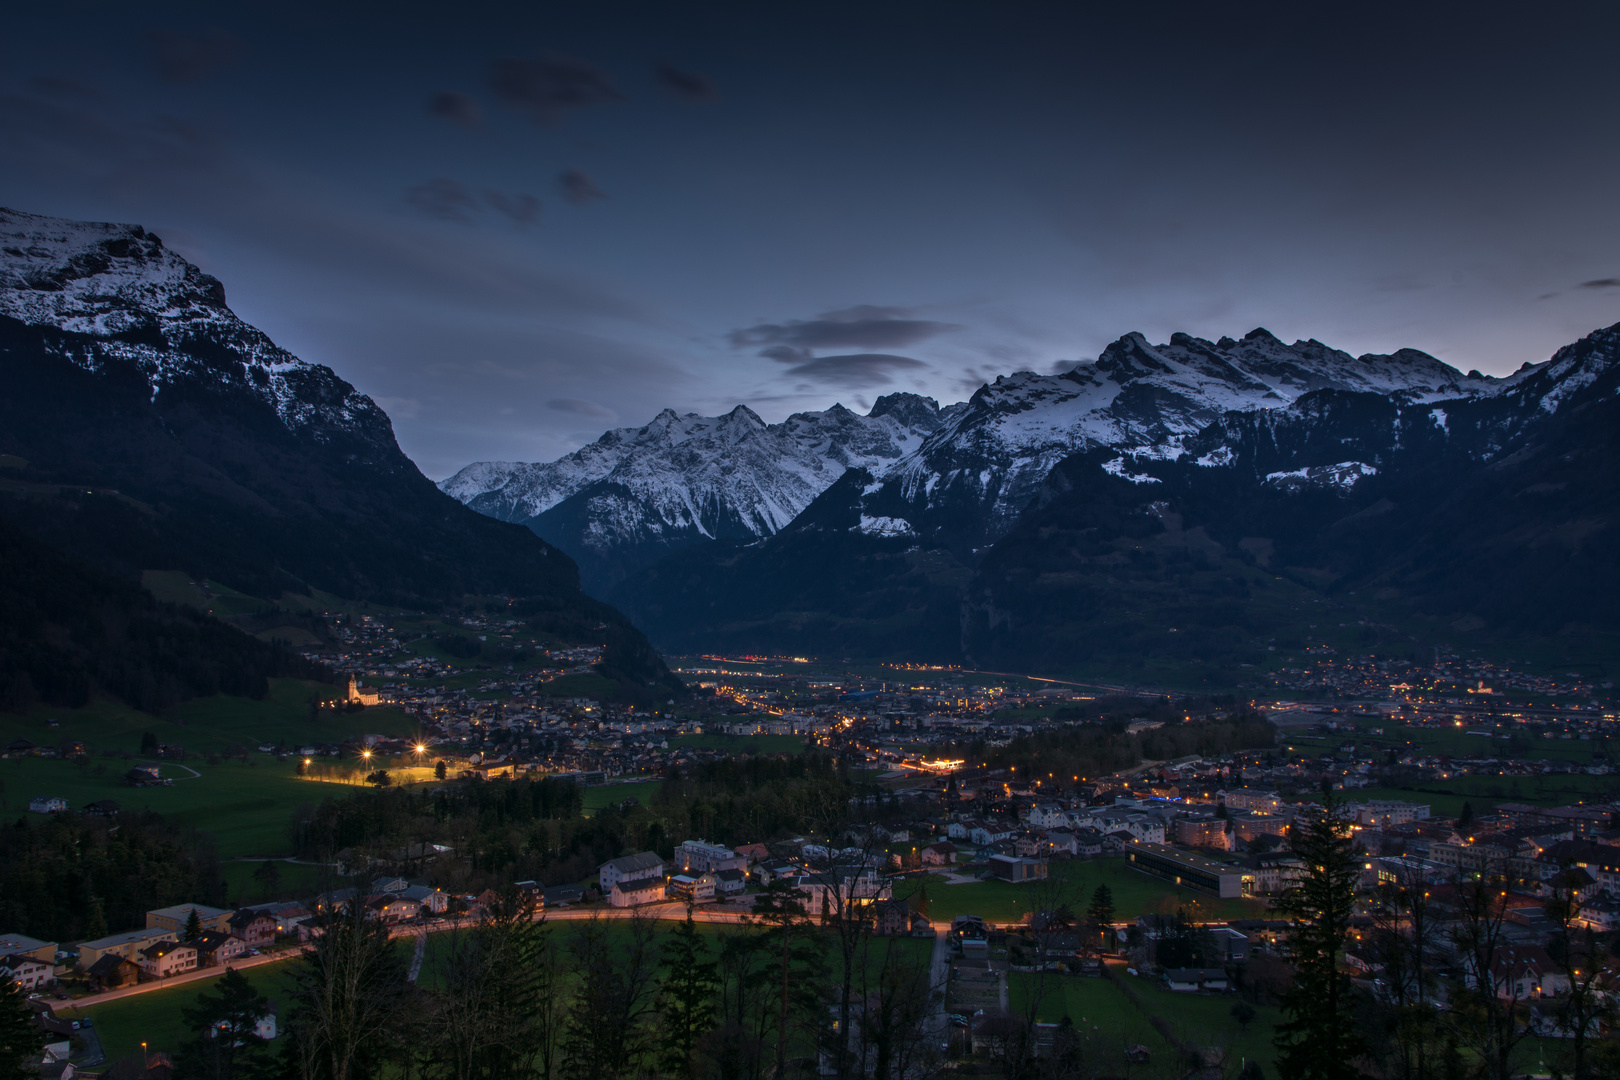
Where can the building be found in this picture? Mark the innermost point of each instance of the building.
(1251, 799)
(699, 856)
(1203, 832)
(1017, 869)
(693, 888)
(1192, 980)
(1381, 812)
(731, 881)
(356, 696)
(643, 865)
(127, 945)
(215, 949)
(633, 892)
(43, 951)
(940, 854)
(174, 918)
(255, 928)
(1193, 871)
(167, 957)
(113, 971)
(47, 804)
(26, 972)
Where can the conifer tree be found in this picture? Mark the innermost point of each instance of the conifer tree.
(19, 1039)
(1319, 1038)
(686, 998)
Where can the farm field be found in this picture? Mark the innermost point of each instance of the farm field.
(742, 744)
(209, 725)
(1135, 893)
(246, 807)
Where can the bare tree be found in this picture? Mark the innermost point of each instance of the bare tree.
(1486, 1010)
(349, 998)
(607, 1033)
(1581, 958)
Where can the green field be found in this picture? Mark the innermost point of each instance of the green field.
(247, 808)
(742, 744)
(208, 725)
(153, 1017)
(1135, 893)
(1482, 792)
(293, 879)
(605, 795)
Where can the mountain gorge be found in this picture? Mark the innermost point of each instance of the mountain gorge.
(144, 426)
(1185, 500)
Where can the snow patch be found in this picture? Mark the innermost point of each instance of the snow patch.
(1343, 476)
(1217, 458)
(1117, 467)
(885, 526)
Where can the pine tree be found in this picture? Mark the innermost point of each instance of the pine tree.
(686, 998)
(1320, 1039)
(193, 926)
(19, 1039)
(225, 1041)
(439, 769)
(1100, 913)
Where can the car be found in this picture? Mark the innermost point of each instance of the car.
(76, 1025)
(61, 995)
(88, 1022)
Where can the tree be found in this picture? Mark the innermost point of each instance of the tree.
(19, 1039)
(1319, 1038)
(1466, 817)
(380, 778)
(686, 998)
(1579, 953)
(439, 769)
(496, 1014)
(606, 1033)
(1244, 1014)
(796, 963)
(149, 743)
(268, 875)
(194, 927)
(348, 999)
(224, 1024)
(1486, 1010)
(1100, 913)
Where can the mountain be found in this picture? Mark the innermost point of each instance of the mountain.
(145, 426)
(637, 494)
(1391, 492)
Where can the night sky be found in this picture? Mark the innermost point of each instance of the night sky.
(515, 227)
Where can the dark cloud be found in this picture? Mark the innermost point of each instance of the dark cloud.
(547, 88)
(522, 209)
(189, 58)
(864, 326)
(578, 188)
(579, 407)
(443, 198)
(688, 85)
(1061, 367)
(456, 107)
(1602, 283)
(855, 369)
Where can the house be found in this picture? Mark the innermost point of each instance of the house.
(215, 949)
(26, 972)
(47, 804)
(693, 888)
(255, 928)
(43, 951)
(113, 971)
(1233, 945)
(643, 865)
(1088, 843)
(175, 918)
(754, 852)
(891, 918)
(128, 945)
(697, 856)
(1061, 842)
(107, 808)
(767, 872)
(145, 776)
(632, 892)
(167, 957)
(988, 833)
(1524, 972)
(1192, 980)
(392, 908)
(437, 901)
(940, 854)
(564, 895)
(1047, 816)
(1014, 868)
(731, 882)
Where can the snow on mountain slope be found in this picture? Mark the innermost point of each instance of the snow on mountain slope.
(151, 309)
(973, 476)
(729, 475)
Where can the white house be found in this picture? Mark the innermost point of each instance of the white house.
(47, 804)
(641, 865)
(632, 892)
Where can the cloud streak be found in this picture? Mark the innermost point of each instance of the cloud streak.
(578, 188)
(864, 326)
(686, 85)
(855, 370)
(456, 107)
(550, 87)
